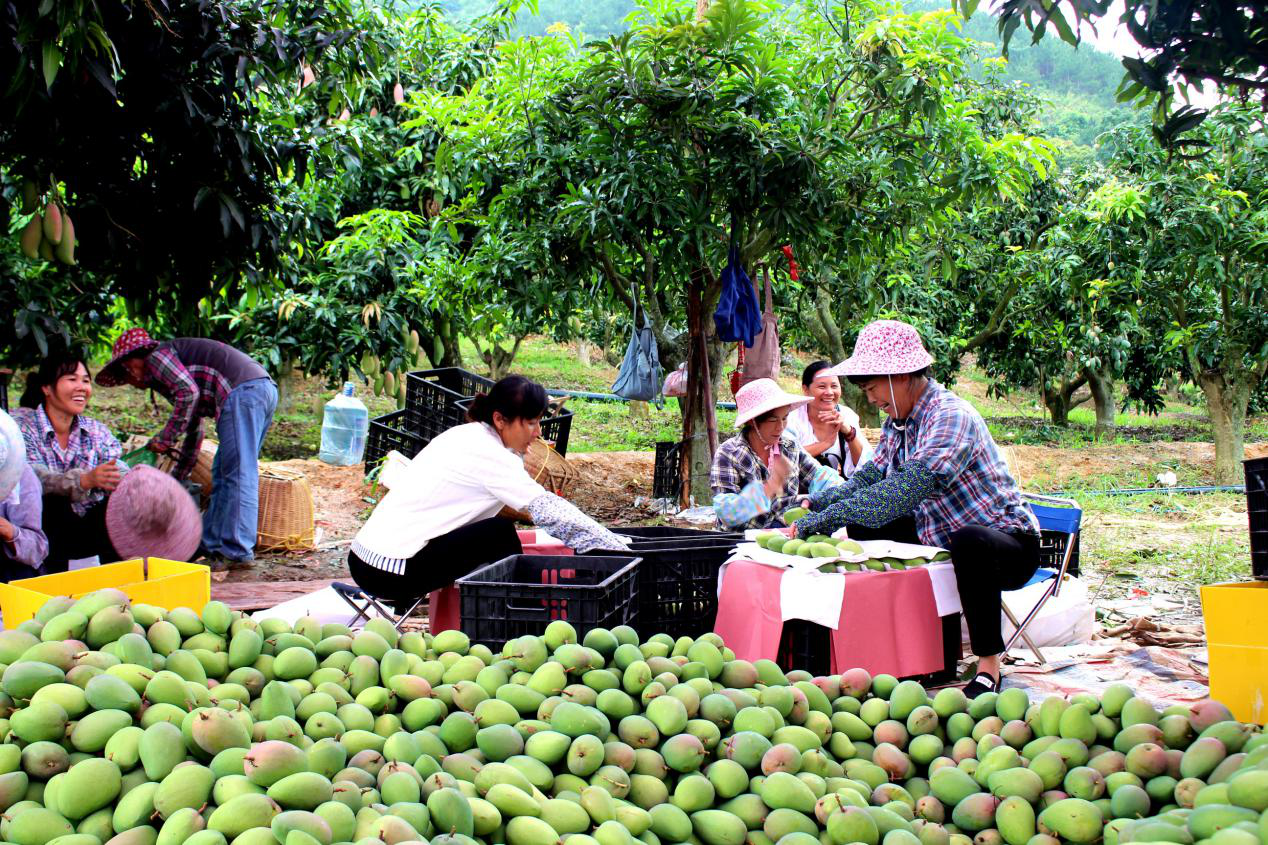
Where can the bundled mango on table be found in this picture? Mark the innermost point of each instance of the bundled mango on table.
(130, 725)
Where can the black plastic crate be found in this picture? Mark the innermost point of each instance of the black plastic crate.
(431, 398)
(668, 532)
(555, 428)
(806, 645)
(522, 594)
(1256, 471)
(1052, 548)
(678, 583)
(389, 432)
(667, 472)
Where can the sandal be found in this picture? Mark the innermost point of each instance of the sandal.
(982, 683)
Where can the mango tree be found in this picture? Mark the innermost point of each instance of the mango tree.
(1191, 235)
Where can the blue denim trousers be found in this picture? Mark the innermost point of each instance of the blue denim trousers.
(229, 526)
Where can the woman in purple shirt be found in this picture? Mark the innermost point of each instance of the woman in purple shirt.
(22, 541)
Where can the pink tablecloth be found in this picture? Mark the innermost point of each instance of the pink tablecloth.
(443, 609)
(889, 620)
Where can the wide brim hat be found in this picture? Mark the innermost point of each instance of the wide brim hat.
(885, 348)
(128, 343)
(761, 396)
(12, 455)
(150, 514)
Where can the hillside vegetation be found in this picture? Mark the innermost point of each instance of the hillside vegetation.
(1078, 86)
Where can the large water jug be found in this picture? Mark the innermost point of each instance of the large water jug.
(343, 429)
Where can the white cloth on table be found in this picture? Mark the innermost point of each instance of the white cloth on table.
(806, 593)
(812, 595)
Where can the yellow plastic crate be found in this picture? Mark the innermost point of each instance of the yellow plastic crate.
(163, 583)
(1237, 646)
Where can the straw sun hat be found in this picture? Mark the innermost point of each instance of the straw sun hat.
(151, 515)
(762, 396)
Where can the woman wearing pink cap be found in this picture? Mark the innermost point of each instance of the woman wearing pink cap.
(759, 473)
(937, 478)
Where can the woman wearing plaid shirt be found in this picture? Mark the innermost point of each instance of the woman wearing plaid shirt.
(75, 457)
(938, 479)
(206, 378)
(759, 473)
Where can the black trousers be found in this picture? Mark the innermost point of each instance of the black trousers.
(439, 563)
(987, 562)
(71, 536)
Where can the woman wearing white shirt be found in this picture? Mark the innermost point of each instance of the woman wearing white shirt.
(827, 430)
(440, 520)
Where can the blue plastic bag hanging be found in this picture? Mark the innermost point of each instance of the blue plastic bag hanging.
(738, 316)
(640, 374)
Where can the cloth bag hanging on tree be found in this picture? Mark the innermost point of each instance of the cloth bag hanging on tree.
(640, 374)
(738, 316)
(762, 357)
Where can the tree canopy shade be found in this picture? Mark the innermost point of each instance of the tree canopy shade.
(145, 119)
(1189, 42)
(629, 165)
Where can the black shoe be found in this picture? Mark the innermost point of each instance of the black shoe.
(220, 563)
(982, 683)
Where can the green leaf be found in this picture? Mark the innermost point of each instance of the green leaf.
(52, 61)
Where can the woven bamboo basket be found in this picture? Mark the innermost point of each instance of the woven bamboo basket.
(286, 511)
(201, 473)
(549, 469)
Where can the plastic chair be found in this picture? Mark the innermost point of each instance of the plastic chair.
(1059, 523)
(364, 603)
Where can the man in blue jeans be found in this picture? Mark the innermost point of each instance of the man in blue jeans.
(206, 378)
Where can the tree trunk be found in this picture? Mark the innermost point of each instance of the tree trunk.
(497, 358)
(828, 334)
(699, 424)
(1102, 387)
(1226, 405)
(286, 380)
(1058, 400)
(1058, 408)
(583, 353)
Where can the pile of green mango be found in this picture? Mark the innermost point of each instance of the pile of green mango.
(129, 725)
(820, 546)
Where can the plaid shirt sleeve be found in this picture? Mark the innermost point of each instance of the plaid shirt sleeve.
(945, 446)
(172, 379)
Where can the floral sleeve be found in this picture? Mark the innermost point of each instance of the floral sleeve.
(735, 510)
(881, 503)
(565, 520)
(864, 477)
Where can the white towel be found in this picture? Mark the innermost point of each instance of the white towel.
(946, 593)
(811, 595)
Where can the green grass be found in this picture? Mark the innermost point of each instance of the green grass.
(1164, 542)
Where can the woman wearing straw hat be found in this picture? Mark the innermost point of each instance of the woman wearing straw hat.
(759, 473)
(937, 478)
(206, 378)
(22, 541)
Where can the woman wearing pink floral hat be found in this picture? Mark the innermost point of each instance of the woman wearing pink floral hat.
(759, 473)
(937, 478)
